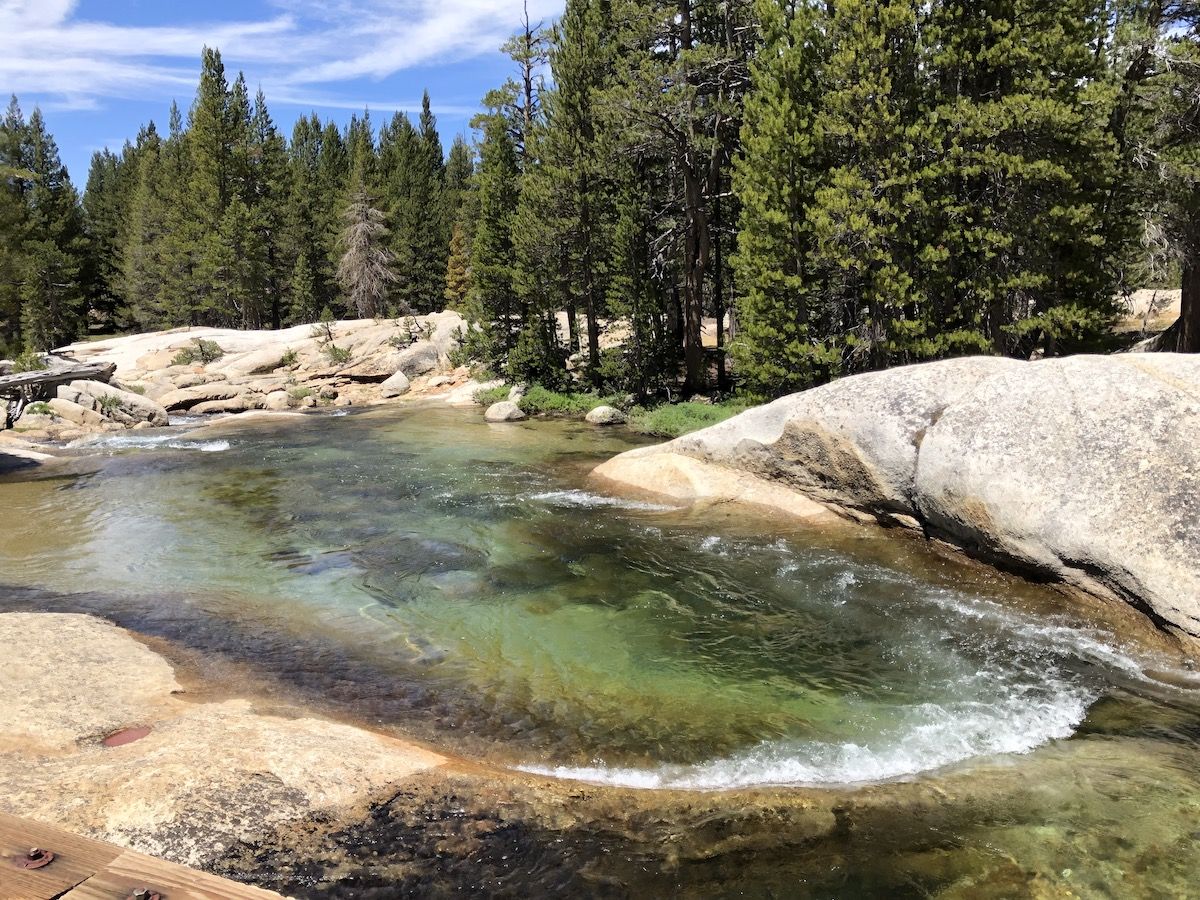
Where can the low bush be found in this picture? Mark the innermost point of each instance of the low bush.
(538, 401)
(109, 404)
(201, 352)
(28, 362)
(337, 355)
(288, 359)
(299, 393)
(488, 396)
(39, 408)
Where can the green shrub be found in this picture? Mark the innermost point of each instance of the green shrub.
(488, 396)
(674, 419)
(28, 362)
(202, 352)
(337, 355)
(109, 404)
(134, 388)
(400, 341)
(539, 400)
(299, 393)
(460, 354)
(39, 408)
(323, 327)
(288, 359)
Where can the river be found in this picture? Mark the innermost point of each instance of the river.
(417, 570)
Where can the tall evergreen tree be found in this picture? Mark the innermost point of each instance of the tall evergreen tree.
(15, 181)
(365, 271)
(53, 303)
(493, 298)
(458, 277)
(783, 340)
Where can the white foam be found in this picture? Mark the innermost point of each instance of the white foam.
(587, 500)
(1090, 645)
(930, 737)
(152, 442)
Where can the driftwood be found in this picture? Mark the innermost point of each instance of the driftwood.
(41, 384)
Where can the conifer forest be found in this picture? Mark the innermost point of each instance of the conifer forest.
(839, 186)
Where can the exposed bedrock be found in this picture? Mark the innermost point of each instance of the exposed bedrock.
(1084, 470)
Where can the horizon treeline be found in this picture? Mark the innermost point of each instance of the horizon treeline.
(220, 221)
(840, 186)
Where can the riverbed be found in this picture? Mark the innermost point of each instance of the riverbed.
(951, 731)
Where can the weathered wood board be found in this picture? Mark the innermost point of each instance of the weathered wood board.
(85, 869)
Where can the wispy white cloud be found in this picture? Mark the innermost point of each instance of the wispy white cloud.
(46, 49)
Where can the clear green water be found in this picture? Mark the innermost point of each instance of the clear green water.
(423, 570)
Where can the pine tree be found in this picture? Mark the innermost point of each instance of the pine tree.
(15, 180)
(266, 197)
(1177, 141)
(301, 291)
(53, 304)
(860, 205)
(782, 341)
(365, 271)
(238, 268)
(578, 194)
(456, 195)
(1017, 168)
(429, 231)
(679, 74)
(211, 184)
(142, 269)
(103, 208)
(210, 141)
(493, 301)
(180, 244)
(458, 278)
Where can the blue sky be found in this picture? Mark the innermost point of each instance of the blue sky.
(101, 68)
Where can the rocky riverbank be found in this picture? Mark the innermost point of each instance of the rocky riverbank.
(1082, 471)
(198, 371)
(99, 737)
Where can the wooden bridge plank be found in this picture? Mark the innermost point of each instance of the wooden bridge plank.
(85, 869)
(75, 859)
(131, 871)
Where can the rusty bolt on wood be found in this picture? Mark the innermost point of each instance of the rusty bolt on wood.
(36, 858)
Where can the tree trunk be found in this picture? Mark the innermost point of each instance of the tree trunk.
(719, 295)
(593, 325)
(572, 329)
(1189, 312)
(696, 252)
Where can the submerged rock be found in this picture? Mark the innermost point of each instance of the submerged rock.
(1084, 470)
(504, 411)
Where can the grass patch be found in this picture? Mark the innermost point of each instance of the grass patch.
(39, 408)
(201, 352)
(288, 359)
(675, 419)
(488, 396)
(540, 401)
(299, 393)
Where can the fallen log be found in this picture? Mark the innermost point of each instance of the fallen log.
(41, 384)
